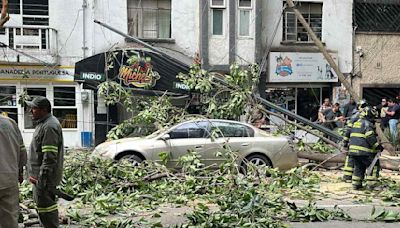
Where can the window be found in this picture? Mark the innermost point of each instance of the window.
(8, 102)
(218, 3)
(190, 130)
(377, 16)
(293, 30)
(149, 19)
(13, 6)
(225, 129)
(244, 3)
(244, 22)
(64, 108)
(217, 21)
(32, 93)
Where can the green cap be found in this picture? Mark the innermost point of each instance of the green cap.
(39, 102)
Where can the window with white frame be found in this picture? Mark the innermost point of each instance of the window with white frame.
(217, 16)
(8, 102)
(149, 19)
(293, 31)
(64, 107)
(245, 7)
(34, 12)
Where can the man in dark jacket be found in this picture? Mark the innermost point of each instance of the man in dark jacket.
(12, 161)
(46, 159)
(363, 145)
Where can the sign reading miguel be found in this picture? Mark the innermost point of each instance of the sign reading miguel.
(139, 72)
(300, 67)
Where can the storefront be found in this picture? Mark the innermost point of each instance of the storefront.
(142, 71)
(18, 83)
(300, 81)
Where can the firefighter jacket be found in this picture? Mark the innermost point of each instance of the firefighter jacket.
(46, 155)
(12, 153)
(361, 138)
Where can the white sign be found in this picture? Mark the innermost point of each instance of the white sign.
(300, 67)
(36, 73)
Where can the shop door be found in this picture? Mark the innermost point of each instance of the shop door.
(308, 102)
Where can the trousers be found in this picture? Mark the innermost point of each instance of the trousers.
(46, 205)
(9, 207)
(361, 164)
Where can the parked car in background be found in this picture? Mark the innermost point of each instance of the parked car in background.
(252, 144)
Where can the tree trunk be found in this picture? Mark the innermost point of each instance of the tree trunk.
(4, 13)
(391, 164)
(384, 141)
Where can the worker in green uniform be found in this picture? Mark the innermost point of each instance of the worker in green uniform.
(45, 162)
(12, 161)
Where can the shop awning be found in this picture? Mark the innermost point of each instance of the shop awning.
(141, 70)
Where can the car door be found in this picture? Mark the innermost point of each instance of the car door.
(185, 137)
(236, 135)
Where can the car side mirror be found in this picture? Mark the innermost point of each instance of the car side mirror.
(165, 137)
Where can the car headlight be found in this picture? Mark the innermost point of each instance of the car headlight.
(103, 150)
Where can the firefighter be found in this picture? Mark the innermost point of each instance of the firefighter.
(349, 163)
(45, 160)
(363, 145)
(12, 161)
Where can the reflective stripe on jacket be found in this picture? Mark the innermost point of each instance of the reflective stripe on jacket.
(362, 138)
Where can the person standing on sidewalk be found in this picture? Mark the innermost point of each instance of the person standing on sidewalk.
(393, 113)
(46, 157)
(12, 160)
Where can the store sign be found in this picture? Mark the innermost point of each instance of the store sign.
(138, 73)
(300, 67)
(91, 76)
(36, 73)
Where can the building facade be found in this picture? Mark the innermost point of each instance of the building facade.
(376, 47)
(44, 40)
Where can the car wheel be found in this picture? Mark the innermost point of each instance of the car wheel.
(257, 160)
(134, 159)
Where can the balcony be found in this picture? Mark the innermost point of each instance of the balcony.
(39, 42)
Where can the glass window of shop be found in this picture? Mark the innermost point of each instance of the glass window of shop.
(64, 108)
(8, 102)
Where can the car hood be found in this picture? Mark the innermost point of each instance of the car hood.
(111, 148)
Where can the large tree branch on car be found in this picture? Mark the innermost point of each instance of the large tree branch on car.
(301, 127)
(391, 164)
(384, 140)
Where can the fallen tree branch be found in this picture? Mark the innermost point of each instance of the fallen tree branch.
(301, 127)
(328, 159)
(391, 164)
(384, 140)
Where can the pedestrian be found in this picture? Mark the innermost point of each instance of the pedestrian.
(382, 108)
(333, 118)
(349, 108)
(12, 160)
(362, 144)
(326, 105)
(46, 158)
(393, 113)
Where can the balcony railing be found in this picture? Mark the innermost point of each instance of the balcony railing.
(33, 38)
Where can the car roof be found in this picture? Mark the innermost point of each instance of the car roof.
(217, 120)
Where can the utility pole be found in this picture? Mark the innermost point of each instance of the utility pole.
(323, 50)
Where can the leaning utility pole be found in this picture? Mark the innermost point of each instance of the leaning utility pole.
(323, 50)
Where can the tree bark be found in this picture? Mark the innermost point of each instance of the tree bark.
(384, 141)
(391, 164)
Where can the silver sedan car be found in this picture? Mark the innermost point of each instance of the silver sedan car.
(205, 137)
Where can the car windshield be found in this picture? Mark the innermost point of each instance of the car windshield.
(156, 133)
